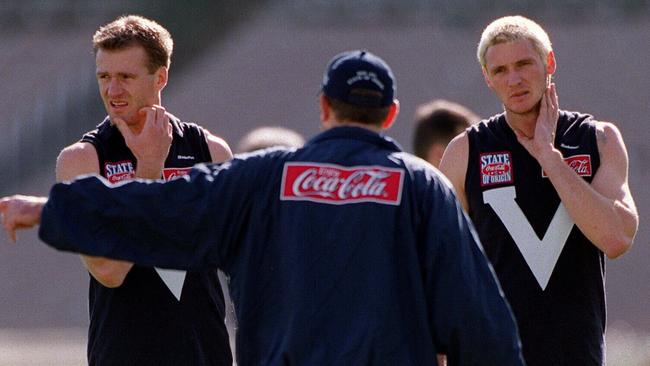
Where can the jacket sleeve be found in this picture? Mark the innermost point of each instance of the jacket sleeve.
(186, 223)
(471, 320)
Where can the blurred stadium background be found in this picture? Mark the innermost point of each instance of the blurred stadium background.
(239, 64)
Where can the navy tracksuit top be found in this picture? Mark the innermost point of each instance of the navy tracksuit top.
(347, 251)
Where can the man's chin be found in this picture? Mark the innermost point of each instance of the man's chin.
(126, 118)
(522, 109)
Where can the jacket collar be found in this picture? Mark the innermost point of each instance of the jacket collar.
(356, 133)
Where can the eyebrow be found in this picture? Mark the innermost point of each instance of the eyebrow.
(517, 62)
(99, 73)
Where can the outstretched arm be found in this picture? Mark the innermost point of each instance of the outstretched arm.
(604, 211)
(187, 223)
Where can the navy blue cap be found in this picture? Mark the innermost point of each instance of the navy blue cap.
(359, 78)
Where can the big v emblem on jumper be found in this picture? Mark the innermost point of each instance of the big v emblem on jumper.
(173, 279)
(540, 255)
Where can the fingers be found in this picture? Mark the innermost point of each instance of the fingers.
(8, 222)
(12, 234)
(552, 104)
(554, 98)
(521, 136)
(161, 117)
(4, 204)
(123, 128)
(168, 118)
(11, 231)
(549, 105)
(156, 116)
(543, 104)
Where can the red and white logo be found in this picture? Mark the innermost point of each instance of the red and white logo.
(581, 164)
(338, 185)
(119, 171)
(173, 173)
(496, 168)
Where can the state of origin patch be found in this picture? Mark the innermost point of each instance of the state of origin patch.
(496, 168)
(117, 171)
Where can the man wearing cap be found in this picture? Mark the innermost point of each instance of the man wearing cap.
(346, 251)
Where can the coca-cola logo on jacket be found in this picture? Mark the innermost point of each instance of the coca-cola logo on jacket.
(337, 185)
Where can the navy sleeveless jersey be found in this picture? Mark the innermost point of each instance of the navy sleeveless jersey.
(148, 320)
(551, 274)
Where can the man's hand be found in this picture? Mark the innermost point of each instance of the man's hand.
(543, 141)
(20, 212)
(150, 145)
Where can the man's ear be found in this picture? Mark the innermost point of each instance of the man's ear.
(161, 76)
(325, 109)
(393, 111)
(550, 63)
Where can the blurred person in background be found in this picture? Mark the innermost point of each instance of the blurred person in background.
(436, 123)
(548, 192)
(269, 136)
(347, 251)
(141, 315)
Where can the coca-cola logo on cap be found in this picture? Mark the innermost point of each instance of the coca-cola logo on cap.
(337, 185)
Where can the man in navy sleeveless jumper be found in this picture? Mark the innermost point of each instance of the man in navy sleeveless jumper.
(143, 315)
(547, 190)
(346, 251)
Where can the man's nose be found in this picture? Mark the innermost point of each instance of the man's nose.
(114, 88)
(514, 78)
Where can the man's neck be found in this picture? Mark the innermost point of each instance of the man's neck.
(332, 124)
(523, 122)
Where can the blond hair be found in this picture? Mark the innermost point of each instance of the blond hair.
(510, 29)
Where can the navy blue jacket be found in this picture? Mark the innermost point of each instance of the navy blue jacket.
(347, 251)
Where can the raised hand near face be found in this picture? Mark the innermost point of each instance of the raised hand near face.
(542, 141)
(151, 144)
